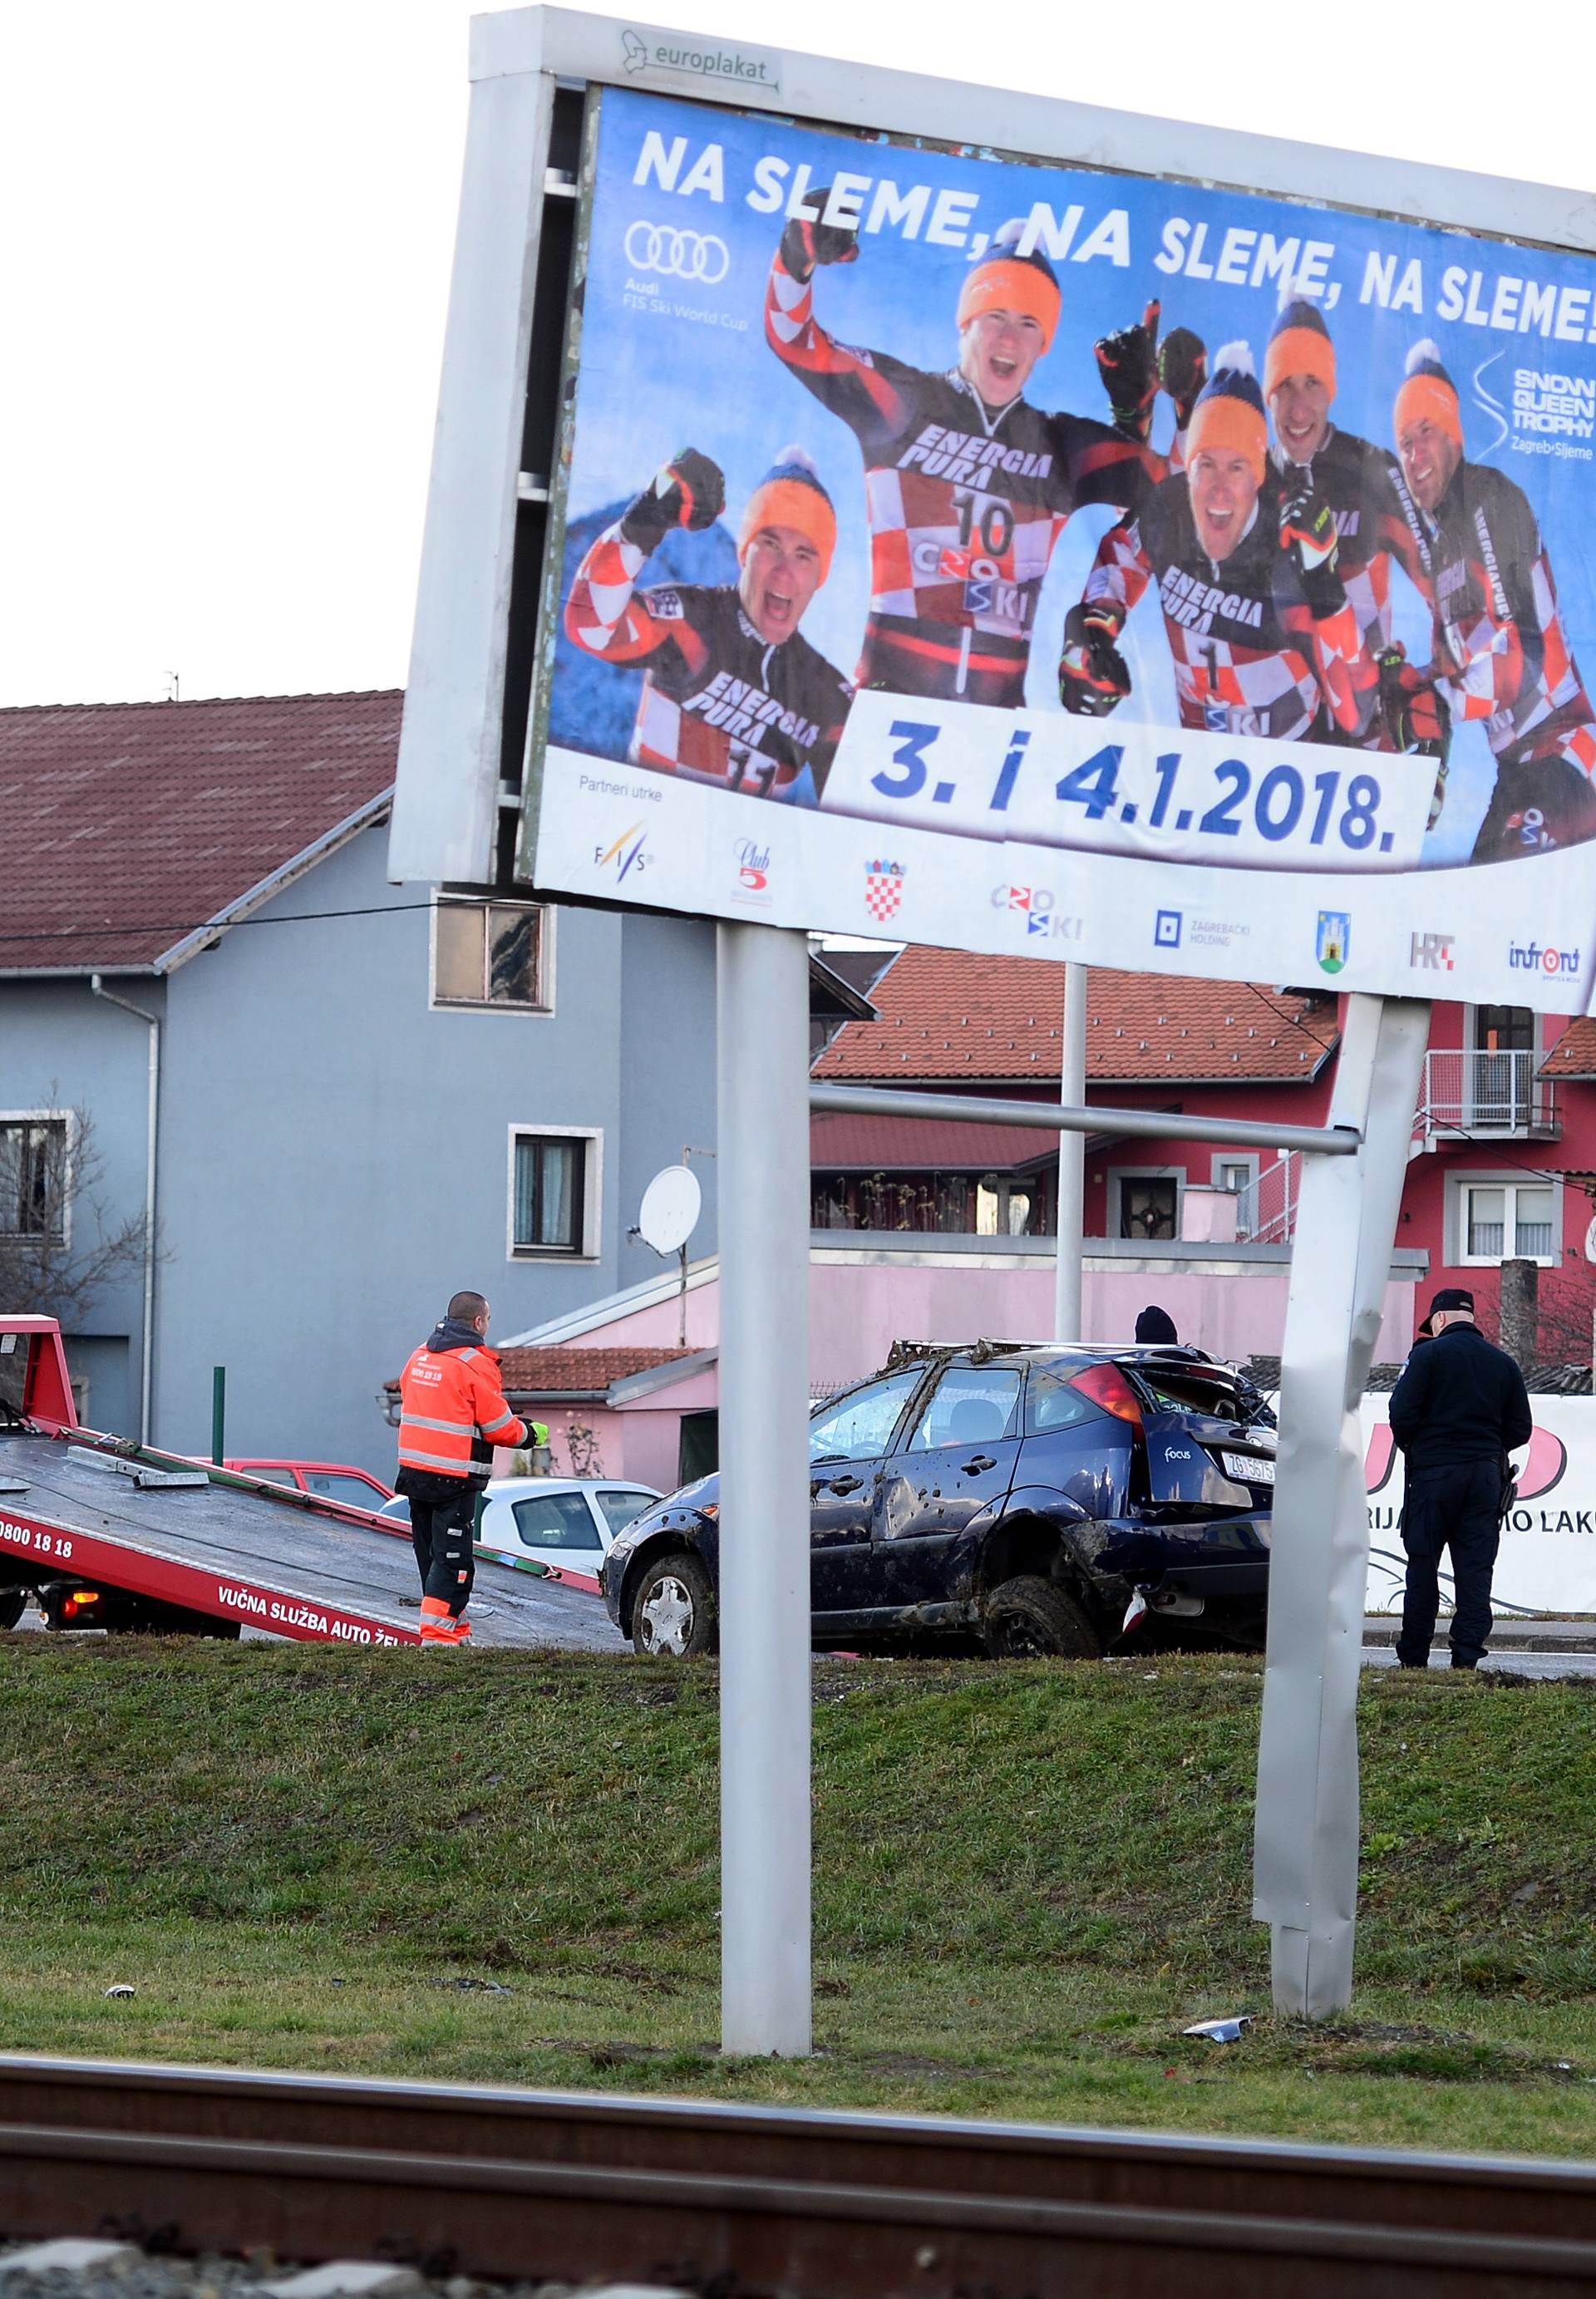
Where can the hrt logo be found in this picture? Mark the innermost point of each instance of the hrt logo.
(1433, 951)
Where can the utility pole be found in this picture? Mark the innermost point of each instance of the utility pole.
(1072, 1162)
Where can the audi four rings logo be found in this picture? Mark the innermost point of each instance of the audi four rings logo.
(676, 254)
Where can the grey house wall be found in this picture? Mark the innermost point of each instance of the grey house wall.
(336, 1155)
(59, 1046)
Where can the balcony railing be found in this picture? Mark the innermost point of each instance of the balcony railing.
(1467, 1092)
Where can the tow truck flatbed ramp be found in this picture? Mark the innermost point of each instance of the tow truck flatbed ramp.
(239, 1550)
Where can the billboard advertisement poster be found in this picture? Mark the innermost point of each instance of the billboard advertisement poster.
(1030, 559)
(1546, 1561)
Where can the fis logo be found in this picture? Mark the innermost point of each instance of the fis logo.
(1531, 958)
(884, 888)
(1333, 940)
(1433, 951)
(1166, 929)
(626, 854)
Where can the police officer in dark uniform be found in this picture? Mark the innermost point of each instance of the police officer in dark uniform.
(1459, 1410)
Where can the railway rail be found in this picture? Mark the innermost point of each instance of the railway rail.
(753, 2200)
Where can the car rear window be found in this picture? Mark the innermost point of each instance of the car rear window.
(1197, 1392)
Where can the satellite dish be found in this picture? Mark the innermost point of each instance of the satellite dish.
(671, 1205)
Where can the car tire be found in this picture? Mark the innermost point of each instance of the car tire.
(14, 1604)
(1032, 1619)
(673, 1614)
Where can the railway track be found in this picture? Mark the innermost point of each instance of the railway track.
(762, 2201)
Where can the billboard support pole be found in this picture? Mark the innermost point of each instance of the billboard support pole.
(762, 1017)
(1305, 1851)
(1072, 1164)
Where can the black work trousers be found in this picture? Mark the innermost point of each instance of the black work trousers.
(1456, 1509)
(442, 1518)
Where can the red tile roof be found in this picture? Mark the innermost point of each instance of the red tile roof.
(558, 1372)
(1574, 1052)
(125, 825)
(842, 1142)
(946, 1014)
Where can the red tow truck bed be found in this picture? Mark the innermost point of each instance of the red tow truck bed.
(78, 1508)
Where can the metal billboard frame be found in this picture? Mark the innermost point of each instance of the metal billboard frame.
(461, 762)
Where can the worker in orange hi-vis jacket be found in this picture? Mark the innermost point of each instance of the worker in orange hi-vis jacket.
(452, 1414)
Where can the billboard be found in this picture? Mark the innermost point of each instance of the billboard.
(1547, 1561)
(983, 551)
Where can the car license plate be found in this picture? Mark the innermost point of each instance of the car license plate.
(1250, 1468)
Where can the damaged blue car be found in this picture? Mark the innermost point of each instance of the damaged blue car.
(1033, 1499)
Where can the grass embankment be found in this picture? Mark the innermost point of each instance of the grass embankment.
(1028, 1878)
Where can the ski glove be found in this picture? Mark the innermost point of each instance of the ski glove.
(1415, 715)
(689, 492)
(1094, 676)
(1183, 370)
(807, 241)
(1308, 536)
(1129, 364)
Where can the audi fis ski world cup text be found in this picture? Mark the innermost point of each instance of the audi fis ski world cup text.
(1206, 553)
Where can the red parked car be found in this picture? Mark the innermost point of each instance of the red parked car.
(329, 1481)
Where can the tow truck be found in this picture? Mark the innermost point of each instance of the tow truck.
(105, 1533)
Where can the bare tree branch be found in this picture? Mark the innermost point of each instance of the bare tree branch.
(61, 1248)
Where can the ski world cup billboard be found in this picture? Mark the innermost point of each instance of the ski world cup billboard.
(982, 551)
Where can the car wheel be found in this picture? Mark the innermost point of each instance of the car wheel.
(14, 1604)
(674, 1613)
(1033, 1619)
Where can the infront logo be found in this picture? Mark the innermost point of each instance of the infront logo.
(1530, 957)
(1433, 951)
(676, 254)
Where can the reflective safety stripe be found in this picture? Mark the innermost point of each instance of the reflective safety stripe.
(488, 1427)
(440, 1463)
(448, 1428)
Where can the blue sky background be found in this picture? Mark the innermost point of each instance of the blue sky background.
(651, 383)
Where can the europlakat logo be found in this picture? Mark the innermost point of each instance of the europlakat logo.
(625, 853)
(676, 58)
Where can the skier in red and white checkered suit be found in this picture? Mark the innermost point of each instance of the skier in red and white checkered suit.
(968, 485)
(1262, 634)
(1501, 654)
(735, 695)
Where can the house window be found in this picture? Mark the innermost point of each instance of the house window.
(548, 1190)
(33, 1178)
(492, 954)
(1239, 1175)
(1506, 1221)
(1149, 1205)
